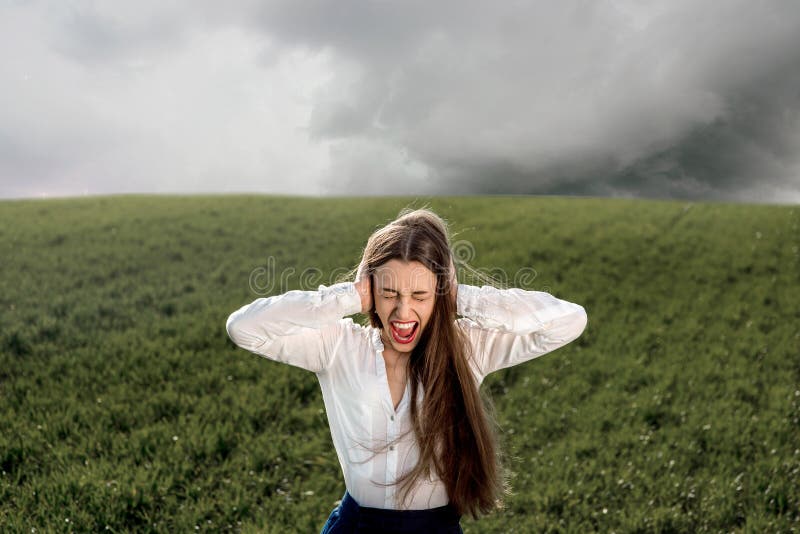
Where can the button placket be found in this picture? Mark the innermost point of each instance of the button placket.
(391, 474)
(391, 458)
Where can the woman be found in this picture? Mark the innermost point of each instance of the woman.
(414, 436)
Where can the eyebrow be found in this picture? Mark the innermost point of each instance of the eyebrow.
(418, 292)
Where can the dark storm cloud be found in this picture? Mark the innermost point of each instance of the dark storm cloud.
(697, 100)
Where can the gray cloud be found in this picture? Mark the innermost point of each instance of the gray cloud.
(686, 99)
(146, 98)
(699, 100)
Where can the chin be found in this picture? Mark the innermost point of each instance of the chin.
(404, 347)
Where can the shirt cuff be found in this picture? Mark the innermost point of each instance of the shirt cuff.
(346, 295)
(468, 302)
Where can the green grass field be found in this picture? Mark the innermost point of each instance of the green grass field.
(125, 407)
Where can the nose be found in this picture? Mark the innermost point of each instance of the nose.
(404, 311)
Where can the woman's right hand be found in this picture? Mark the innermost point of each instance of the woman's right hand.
(364, 288)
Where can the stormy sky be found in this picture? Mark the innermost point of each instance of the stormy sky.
(686, 99)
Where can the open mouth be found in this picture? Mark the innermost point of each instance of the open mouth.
(404, 335)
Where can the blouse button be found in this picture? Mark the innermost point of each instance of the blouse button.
(391, 417)
(391, 447)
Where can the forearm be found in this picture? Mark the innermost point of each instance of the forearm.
(516, 310)
(291, 313)
(512, 326)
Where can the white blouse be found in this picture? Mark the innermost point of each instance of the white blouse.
(306, 328)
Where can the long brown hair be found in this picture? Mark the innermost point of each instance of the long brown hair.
(455, 426)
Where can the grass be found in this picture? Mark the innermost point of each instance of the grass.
(125, 407)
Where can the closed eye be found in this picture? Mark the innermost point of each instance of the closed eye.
(393, 296)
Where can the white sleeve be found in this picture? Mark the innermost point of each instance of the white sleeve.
(301, 328)
(510, 326)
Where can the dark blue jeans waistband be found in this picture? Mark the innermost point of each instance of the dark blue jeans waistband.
(367, 519)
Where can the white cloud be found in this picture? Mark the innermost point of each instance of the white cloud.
(213, 112)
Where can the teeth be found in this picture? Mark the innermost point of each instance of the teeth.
(404, 326)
